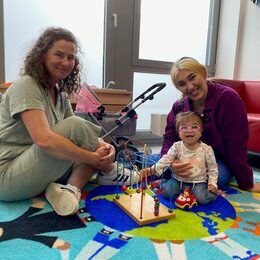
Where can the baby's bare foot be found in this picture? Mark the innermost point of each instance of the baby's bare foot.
(221, 193)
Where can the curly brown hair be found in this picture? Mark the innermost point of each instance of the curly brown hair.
(34, 67)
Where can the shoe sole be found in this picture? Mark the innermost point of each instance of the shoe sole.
(122, 180)
(63, 202)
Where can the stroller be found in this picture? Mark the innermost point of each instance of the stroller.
(115, 126)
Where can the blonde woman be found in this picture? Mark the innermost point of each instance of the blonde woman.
(224, 121)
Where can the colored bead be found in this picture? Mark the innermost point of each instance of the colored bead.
(129, 191)
(159, 191)
(156, 205)
(153, 185)
(123, 187)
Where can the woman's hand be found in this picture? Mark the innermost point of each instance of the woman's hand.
(256, 187)
(96, 157)
(181, 169)
(107, 152)
(111, 153)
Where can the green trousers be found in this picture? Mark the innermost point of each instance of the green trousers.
(29, 174)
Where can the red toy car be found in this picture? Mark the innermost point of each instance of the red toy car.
(186, 200)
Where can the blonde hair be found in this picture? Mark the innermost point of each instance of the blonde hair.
(183, 117)
(189, 64)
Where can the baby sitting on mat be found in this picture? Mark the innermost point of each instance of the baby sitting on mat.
(202, 177)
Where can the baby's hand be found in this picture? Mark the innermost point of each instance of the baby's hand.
(144, 172)
(212, 188)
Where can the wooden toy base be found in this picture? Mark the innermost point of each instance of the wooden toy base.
(131, 205)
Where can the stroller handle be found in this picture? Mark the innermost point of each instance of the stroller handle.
(129, 113)
(151, 96)
(159, 87)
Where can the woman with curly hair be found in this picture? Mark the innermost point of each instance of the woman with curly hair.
(44, 146)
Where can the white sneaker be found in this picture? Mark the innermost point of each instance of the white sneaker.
(63, 198)
(118, 176)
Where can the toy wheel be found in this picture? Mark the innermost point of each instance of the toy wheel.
(186, 207)
(194, 204)
(121, 140)
(127, 154)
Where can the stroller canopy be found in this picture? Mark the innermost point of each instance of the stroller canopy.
(87, 101)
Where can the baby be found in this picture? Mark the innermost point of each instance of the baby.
(203, 180)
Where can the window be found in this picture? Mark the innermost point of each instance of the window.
(141, 40)
(150, 36)
(173, 29)
(86, 21)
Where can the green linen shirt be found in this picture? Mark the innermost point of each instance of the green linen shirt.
(22, 95)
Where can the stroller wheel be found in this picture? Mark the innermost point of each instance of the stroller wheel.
(127, 154)
(121, 140)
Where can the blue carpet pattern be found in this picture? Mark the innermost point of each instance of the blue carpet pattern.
(228, 228)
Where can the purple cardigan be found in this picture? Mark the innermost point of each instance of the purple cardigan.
(225, 129)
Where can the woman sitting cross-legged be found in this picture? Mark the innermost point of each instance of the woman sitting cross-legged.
(43, 146)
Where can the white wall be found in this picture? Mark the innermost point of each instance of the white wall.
(25, 20)
(248, 62)
(238, 54)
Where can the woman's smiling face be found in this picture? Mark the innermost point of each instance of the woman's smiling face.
(192, 85)
(59, 60)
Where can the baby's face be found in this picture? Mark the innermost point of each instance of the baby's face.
(1, 231)
(190, 131)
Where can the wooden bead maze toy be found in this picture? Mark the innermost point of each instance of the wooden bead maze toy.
(142, 204)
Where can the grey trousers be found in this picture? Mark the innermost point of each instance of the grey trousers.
(29, 174)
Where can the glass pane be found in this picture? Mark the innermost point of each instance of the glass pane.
(170, 29)
(24, 20)
(162, 102)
